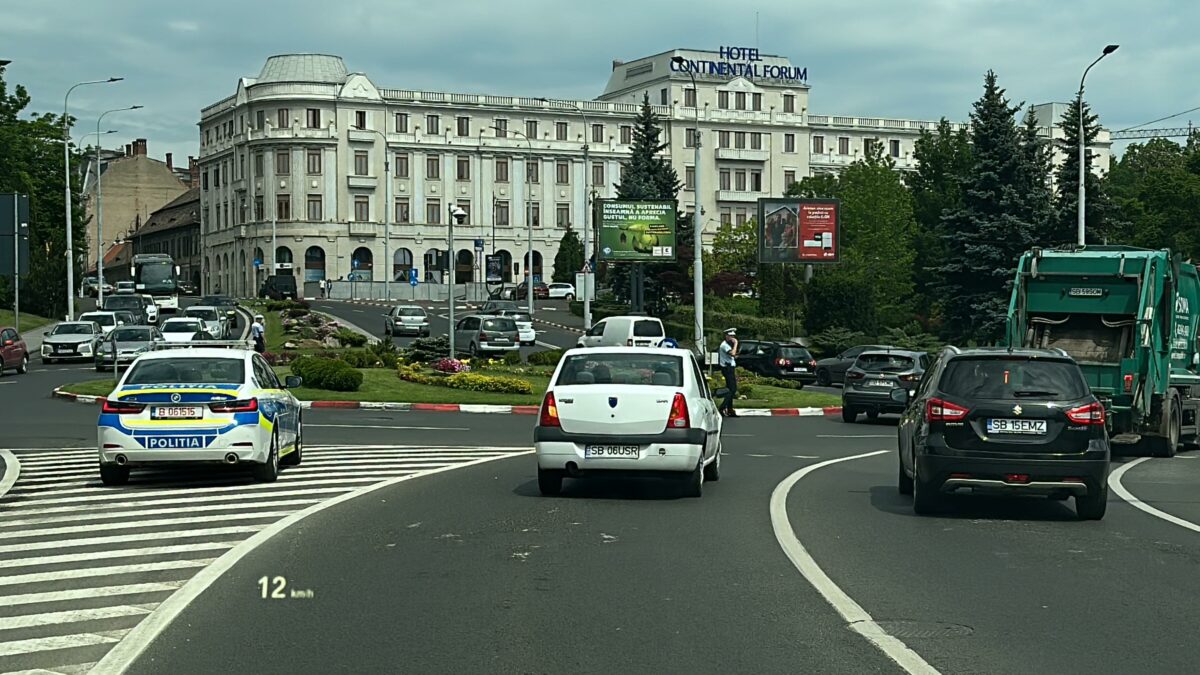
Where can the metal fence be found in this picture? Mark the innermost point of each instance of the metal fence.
(400, 291)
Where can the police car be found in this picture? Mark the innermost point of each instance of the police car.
(218, 404)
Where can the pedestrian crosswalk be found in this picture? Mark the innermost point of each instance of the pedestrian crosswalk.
(82, 564)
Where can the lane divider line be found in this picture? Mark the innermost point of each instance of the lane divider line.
(1114, 483)
(851, 612)
(134, 644)
(12, 471)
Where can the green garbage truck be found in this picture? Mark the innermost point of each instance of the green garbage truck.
(1128, 316)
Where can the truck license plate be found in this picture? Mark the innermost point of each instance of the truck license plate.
(612, 451)
(1005, 426)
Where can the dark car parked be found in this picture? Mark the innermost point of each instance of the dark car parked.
(279, 287)
(783, 360)
(1015, 422)
(134, 304)
(875, 373)
(540, 291)
(832, 369)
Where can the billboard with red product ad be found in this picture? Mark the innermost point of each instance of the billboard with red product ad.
(795, 230)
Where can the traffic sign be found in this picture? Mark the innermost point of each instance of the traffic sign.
(257, 262)
(478, 244)
(413, 277)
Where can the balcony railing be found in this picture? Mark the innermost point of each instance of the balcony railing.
(363, 182)
(739, 196)
(744, 154)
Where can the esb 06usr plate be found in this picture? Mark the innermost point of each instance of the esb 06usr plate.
(612, 451)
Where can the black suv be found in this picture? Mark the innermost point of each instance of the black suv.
(783, 360)
(994, 420)
(279, 287)
(134, 304)
(875, 373)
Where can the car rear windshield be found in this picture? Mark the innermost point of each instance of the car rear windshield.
(206, 314)
(1013, 378)
(180, 327)
(187, 370)
(131, 334)
(884, 363)
(499, 324)
(123, 302)
(646, 328)
(411, 311)
(610, 368)
(72, 329)
(518, 316)
(795, 353)
(502, 304)
(100, 319)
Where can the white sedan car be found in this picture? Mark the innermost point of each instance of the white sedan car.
(182, 329)
(151, 309)
(638, 411)
(525, 329)
(199, 405)
(562, 290)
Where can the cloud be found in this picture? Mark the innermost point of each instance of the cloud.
(183, 26)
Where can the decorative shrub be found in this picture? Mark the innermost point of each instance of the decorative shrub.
(282, 305)
(324, 373)
(411, 373)
(359, 359)
(546, 358)
(513, 358)
(447, 365)
(295, 312)
(493, 383)
(342, 379)
(349, 338)
(427, 350)
(385, 353)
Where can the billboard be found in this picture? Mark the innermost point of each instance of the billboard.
(495, 269)
(636, 231)
(795, 230)
(14, 216)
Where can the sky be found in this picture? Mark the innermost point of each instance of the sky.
(908, 59)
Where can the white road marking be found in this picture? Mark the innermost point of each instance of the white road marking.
(236, 501)
(130, 524)
(381, 426)
(1114, 482)
(116, 553)
(14, 381)
(86, 593)
(54, 643)
(72, 616)
(850, 611)
(806, 456)
(856, 435)
(140, 513)
(127, 538)
(749, 455)
(37, 577)
(12, 470)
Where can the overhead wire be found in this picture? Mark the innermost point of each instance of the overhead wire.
(1161, 119)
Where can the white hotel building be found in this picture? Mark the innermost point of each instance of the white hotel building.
(304, 145)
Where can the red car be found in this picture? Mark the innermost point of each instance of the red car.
(541, 291)
(13, 353)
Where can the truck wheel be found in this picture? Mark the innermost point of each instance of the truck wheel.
(1166, 444)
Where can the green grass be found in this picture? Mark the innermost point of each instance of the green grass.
(777, 397)
(29, 322)
(91, 387)
(382, 384)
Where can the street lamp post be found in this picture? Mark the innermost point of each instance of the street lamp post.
(1081, 220)
(589, 195)
(100, 212)
(67, 179)
(528, 222)
(697, 225)
(452, 263)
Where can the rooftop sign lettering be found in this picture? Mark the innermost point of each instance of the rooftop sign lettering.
(740, 62)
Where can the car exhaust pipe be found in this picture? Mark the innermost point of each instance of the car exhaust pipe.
(573, 469)
(231, 458)
(122, 460)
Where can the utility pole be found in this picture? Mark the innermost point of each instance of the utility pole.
(1081, 223)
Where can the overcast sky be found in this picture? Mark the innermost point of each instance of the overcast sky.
(915, 59)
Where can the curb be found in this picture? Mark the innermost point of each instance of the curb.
(479, 408)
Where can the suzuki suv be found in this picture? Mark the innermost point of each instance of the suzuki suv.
(998, 421)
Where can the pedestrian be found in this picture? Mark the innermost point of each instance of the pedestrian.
(259, 332)
(727, 359)
(322, 289)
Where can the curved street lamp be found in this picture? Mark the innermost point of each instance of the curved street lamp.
(697, 225)
(1081, 224)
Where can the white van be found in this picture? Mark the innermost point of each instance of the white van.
(624, 331)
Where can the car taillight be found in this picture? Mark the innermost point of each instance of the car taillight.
(937, 410)
(855, 375)
(122, 407)
(629, 342)
(549, 415)
(812, 363)
(247, 405)
(783, 362)
(679, 418)
(1092, 413)
(1128, 383)
(912, 377)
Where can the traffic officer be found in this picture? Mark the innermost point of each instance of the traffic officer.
(727, 360)
(259, 332)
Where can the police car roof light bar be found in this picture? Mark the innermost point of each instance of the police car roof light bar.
(228, 344)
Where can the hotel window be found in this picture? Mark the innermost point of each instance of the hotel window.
(663, 96)
(722, 139)
(403, 214)
(362, 163)
(597, 133)
(531, 129)
(433, 167)
(283, 119)
(739, 100)
(689, 98)
(501, 128)
(258, 208)
(502, 218)
(789, 177)
(724, 178)
(562, 215)
(689, 139)
(755, 180)
(315, 213)
(360, 119)
(463, 171)
(433, 211)
(283, 207)
(843, 145)
(260, 119)
(739, 181)
(562, 173)
(689, 178)
(283, 163)
(789, 103)
(868, 144)
(400, 170)
(626, 134)
(597, 173)
(894, 147)
(756, 141)
(258, 167)
(465, 205)
(501, 169)
(789, 142)
(723, 100)
(560, 131)
(402, 123)
(313, 161)
(726, 217)
(818, 145)
(739, 140)
(432, 125)
(362, 209)
(741, 218)
(464, 126)
(532, 171)
(203, 181)
(756, 101)
(314, 118)
(535, 214)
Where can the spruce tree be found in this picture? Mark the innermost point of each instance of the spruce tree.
(1035, 184)
(1099, 215)
(569, 258)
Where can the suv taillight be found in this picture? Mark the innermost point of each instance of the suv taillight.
(248, 405)
(1092, 413)
(549, 414)
(679, 418)
(937, 410)
(855, 375)
(122, 407)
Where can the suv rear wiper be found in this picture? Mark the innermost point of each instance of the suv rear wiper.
(1034, 392)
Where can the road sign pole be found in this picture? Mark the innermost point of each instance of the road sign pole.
(17, 263)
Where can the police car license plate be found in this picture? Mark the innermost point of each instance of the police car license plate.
(1005, 426)
(612, 451)
(176, 412)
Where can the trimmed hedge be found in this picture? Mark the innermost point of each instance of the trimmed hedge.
(493, 383)
(512, 358)
(349, 338)
(547, 358)
(325, 373)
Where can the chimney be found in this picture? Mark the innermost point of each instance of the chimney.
(139, 147)
(194, 170)
(129, 149)
(617, 63)
(170, 165)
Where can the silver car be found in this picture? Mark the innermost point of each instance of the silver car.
(215, 323)
(124, 344)
(71, 340)
(406, 320)
(477, 334)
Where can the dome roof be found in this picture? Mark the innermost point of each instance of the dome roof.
(304, 68)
